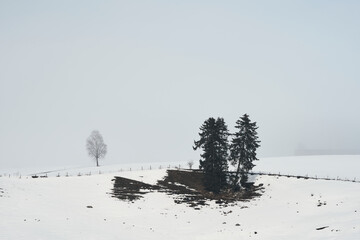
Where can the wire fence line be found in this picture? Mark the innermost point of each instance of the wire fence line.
(73, 173)
(306, 176)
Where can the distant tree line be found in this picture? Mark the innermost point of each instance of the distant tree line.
(217, 152)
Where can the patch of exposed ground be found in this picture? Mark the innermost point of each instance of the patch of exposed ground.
(127, 189)
(185, 186)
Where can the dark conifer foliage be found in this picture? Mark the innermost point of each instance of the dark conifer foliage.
(243, 149)
(214, 143)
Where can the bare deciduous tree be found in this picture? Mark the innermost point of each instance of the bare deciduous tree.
(96, 147)
(190, 163)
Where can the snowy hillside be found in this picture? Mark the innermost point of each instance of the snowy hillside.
(80, 207)
(341, 166)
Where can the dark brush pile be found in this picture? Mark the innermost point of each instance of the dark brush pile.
(127, 189)
(186, 187)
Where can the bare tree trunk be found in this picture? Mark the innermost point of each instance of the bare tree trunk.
(237, 177)
(96, 147)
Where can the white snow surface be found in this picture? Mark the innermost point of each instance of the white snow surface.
(57, 208)
(341, 166)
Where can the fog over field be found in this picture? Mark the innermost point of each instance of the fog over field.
(146, 74)
(101, 104)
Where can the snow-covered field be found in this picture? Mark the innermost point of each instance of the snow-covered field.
(290, 208)
(341, 166)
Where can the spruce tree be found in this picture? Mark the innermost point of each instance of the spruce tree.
(243, 149)
(214, 143)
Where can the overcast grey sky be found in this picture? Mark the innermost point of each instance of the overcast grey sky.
(146, 74)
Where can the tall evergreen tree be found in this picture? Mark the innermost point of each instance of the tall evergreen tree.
(243, 149)
(214, 143)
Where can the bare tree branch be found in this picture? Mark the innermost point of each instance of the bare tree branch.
(95, 146)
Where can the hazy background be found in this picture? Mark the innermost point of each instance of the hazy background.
(146, 74)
